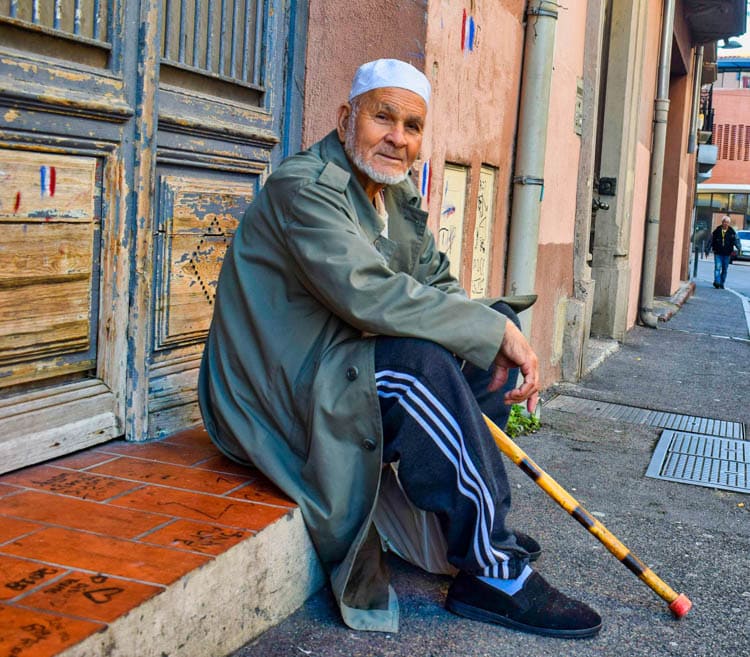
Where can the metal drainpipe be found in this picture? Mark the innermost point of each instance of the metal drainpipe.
(693, 143)
(661, 111)
(528, 181)
(695, 113)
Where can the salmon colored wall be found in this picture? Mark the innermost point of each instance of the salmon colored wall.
(563, 144)
(677, 190)
(643, 156)
(472, 120)
(685, 269)
(340, 38)
(553, 268)
(554, 275)
(731, 106)
(679, 170)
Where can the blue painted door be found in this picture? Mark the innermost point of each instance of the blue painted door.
(133, 133)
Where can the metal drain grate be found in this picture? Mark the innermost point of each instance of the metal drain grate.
(635, 415)
(702, 460)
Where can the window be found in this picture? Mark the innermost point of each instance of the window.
(738, 203)
(86, 19)
(720, 202)
(214, 46)
(75, 30)
(732, 141)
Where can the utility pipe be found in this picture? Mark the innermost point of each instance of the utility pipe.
(661, 111)
(528, 179)
(695, 113)
(693, 145)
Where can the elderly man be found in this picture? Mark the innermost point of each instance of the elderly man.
(348, 365)
(724, 240)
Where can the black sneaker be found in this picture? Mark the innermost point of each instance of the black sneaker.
(529, 544)
(717, 285)
(538, 607)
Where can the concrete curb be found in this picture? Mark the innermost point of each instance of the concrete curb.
(217, 608)
(745, 307)
(687, 289)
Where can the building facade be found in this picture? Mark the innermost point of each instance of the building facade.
(557, 161)
(726, 191)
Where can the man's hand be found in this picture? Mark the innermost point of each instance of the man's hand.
(515, 351)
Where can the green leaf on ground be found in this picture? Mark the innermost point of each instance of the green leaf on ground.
(521, 422)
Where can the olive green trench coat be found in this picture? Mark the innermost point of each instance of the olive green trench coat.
(287, 380)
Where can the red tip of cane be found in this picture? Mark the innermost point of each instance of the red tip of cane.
(680, 606)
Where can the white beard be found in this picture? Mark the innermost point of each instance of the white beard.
(358, 160)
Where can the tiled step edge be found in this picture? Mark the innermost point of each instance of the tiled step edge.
(217, 608)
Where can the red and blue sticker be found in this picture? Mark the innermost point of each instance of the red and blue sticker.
(47, 180)
(468, 33)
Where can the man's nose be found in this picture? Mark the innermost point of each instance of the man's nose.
(397, 135)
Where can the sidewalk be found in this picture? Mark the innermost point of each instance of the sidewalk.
(146, 550)
(166, 548)
(695, 538)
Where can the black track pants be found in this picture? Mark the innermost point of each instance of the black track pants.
(448, 462)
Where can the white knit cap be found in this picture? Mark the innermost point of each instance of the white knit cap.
(390, 73)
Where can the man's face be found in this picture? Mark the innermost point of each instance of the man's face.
(725, 223)
(382, 133)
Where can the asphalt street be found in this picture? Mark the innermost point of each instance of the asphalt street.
(738, 276)
(695, 538)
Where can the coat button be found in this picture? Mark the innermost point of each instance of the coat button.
(352, 373)
(369, 444)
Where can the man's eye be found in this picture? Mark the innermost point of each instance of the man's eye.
(414, 127)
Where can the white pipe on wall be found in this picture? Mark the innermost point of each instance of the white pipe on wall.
(661, 112)
(528, 179)
(696, 108)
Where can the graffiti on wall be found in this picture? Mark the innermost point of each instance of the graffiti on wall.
(480, 260)
(452, 212)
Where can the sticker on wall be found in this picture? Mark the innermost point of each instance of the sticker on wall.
(426, 181)
(468, 32)
(452, 211)
(47, 181)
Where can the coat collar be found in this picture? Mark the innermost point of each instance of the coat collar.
(401, 199)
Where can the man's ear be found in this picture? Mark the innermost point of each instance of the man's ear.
(342, 120)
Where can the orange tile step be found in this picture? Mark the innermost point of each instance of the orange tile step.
(88, 537)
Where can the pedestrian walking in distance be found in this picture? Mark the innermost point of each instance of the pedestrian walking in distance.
(723, 241)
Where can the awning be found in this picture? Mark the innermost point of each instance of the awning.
(711, 20)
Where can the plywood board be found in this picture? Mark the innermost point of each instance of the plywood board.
(44, 187)
(48, 266)
(45, 289)
(198, 218)
(452, 215)
(480, 261)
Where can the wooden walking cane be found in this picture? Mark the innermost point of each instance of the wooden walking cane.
(679, 604)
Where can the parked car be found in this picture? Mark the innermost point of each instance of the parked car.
(743, 253)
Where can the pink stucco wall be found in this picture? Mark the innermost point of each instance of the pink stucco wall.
(341, 36)
(640, 179)
(473, 116)
(731, 109)
(554, 282)
(675, 193)
(563, 144)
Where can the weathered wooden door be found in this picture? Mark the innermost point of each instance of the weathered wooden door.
(133, 133)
